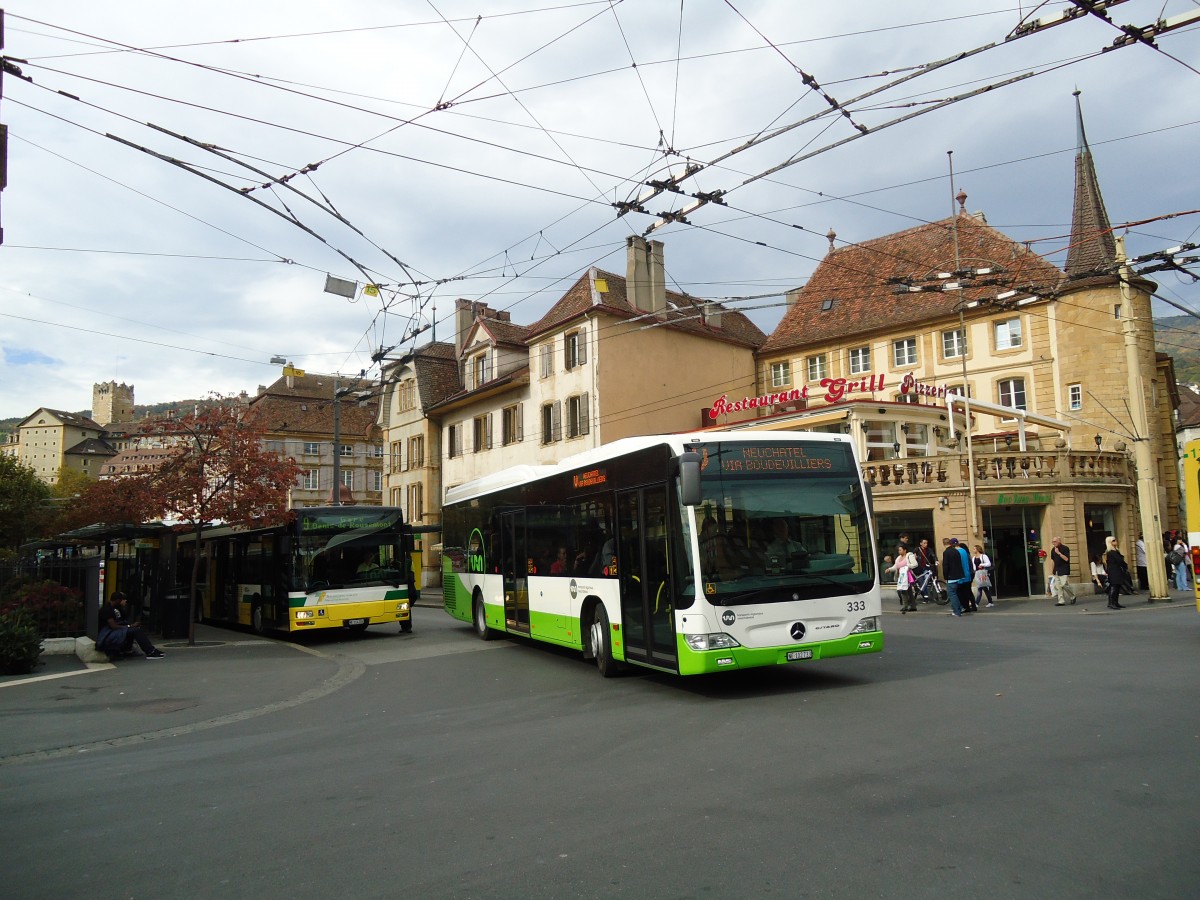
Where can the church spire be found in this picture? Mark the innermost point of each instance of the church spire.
(1093, 248)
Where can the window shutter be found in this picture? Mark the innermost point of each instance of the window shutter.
(582, 338)
(567, 352)
(556, 420)
(584, 418)
(520, 425)
(487, 432)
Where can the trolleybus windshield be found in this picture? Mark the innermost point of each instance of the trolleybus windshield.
(781, 522)
(349, 549)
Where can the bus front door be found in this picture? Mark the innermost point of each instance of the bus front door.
(514, 563)
(646, 595)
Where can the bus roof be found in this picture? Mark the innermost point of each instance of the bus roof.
(677, 442)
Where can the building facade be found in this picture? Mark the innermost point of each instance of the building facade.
(300, 413)
(988, 391)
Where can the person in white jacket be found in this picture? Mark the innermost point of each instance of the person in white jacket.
(981, 578)
(903, 566)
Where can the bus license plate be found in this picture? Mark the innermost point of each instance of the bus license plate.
(364, 622)
(799, 654)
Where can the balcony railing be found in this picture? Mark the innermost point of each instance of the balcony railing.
(992, 468)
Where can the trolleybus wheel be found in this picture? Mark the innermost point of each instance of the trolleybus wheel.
(480, 619)
(406, 627)
(600, 643)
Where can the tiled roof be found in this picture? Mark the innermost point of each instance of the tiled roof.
(75, 420)
(1189, 407)
(504, 332)
(92, 447)
(436, 369)
(498, 385)
(855, 278)
(684, 313)
(306, 406)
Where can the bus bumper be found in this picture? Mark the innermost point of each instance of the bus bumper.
(693, 662)
(341, 615)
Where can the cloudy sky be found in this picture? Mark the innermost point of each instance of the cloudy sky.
(442, 153)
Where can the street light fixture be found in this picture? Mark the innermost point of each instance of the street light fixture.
(1099, 443)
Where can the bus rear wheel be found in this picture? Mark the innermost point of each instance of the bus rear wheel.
(600, 643)
(479, 617)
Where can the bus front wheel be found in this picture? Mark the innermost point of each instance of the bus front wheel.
(600, 643)
(479, 616)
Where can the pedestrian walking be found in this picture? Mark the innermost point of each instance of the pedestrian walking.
(903, 567)
(927, 561)
(1060, 556)
(956, 570)
(981, 579)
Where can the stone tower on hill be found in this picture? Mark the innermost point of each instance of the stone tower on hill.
(112, 403)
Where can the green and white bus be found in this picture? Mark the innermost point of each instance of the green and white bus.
(684, 553)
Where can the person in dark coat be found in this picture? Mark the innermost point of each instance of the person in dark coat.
(956, 570)
(1118, 573)
(117, 635)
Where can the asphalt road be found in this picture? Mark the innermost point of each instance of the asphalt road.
(990, 756)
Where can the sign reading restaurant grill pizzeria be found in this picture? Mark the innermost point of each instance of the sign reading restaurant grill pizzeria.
(836, 390)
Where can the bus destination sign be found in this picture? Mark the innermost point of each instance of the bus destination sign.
(590, 478)
(750, 459)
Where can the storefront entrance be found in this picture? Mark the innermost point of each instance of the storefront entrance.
(1014, 542)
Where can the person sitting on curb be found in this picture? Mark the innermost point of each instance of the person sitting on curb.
(116, 637)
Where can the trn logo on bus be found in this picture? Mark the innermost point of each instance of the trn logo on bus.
(476, 554)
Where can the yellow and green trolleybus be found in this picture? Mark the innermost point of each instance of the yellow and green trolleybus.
(330, 567)
(1191, 501)
(687, 553)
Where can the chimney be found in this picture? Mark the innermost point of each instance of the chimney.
(645, 283)
(712, 314)
(464, 316)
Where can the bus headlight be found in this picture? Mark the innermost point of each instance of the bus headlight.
(871, 623)
(718, 641)
(402, 607)
(304, 614)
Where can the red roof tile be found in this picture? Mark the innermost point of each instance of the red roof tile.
(856, 279)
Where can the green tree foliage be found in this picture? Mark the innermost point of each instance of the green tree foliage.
(24, 513)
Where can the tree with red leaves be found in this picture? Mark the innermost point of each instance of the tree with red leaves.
(222, 472)
(128, 499)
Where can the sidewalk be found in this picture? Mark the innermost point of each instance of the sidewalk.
(69, 707)
(1085, 602)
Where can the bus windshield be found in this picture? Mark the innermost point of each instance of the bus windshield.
(352, 548)
(777, 521)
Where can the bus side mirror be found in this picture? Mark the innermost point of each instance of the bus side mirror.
(689, 478)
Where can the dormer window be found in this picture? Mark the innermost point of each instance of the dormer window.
(480, 370)
(827, 304)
